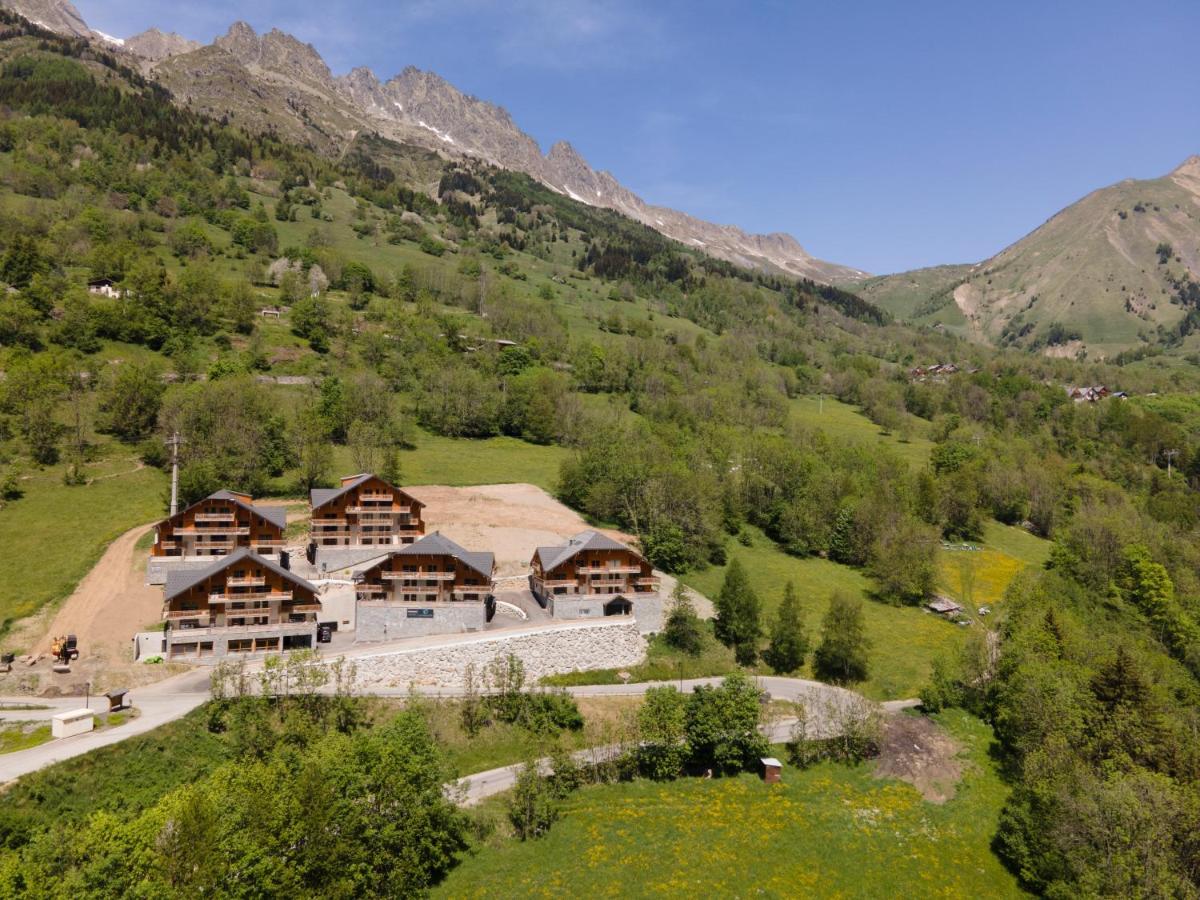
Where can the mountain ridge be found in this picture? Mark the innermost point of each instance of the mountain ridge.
(274, 80)
(1107, 273)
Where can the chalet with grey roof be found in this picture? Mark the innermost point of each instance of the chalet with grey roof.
(432, 586)
(218, 525)
(241, 603)
(364, 511)
(591, 575)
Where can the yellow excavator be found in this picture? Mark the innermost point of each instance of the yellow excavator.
(64, 648)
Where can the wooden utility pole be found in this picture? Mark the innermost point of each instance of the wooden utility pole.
(173, 442)
(1170, 455)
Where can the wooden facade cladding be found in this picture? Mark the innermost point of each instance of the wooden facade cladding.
(424, 579)
(216, 526)
(246, 593)
(366, 511)
(595, 573)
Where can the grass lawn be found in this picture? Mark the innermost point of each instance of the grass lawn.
(498, 460)
(980, 577)
(842, 421)
(905, 639)
(54, 534)
(830, 831)
(19, 736)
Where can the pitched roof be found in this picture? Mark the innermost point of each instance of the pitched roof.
(276, 515)
(180, 580)
(437, 544)
(553, 557)
(321, 496)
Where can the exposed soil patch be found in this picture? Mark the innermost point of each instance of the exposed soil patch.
(916, 750)
(511, 520)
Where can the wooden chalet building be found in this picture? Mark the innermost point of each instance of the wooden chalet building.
(218, 525)
(591, 575)
(242, 603)
(432, 586)
(364, 511)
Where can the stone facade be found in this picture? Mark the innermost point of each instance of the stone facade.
(382, 621)
(544, 651)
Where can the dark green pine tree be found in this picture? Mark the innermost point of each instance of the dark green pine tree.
(739, 610)
(789, 643)
(842, 655)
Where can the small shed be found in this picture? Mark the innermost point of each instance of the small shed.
(772, 770)
(71, 723)
(944, 605)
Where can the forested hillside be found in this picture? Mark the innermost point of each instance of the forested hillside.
(460, 301)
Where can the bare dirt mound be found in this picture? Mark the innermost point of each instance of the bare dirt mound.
(511, 520)
(916, 750)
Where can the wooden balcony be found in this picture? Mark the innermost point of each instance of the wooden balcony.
(174, 615)
(215, 530)
(420, 576)
(215, 516)
(240, 596)
(246, 581)
(608, 570)
(375, 497)
(304, 607)
(269, 544)
(380, 510)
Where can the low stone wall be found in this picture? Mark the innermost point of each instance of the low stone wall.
(544, 651)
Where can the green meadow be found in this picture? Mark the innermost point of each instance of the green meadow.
(829, 831)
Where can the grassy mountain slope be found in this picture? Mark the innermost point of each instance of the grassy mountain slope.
(1101, 276)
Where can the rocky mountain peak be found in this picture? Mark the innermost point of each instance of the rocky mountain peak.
(241, 41)
(55, 15)
(156, 45)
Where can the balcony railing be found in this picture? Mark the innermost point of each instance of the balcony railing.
(215, 517)
(270, 545)
(304, 607)
(215, 529)
(246, 581)
(380, 510)
(613, 570)
(246, 596)
(375, 497)
(173, 615)
(420, 576)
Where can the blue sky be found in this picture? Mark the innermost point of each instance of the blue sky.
(882, 134)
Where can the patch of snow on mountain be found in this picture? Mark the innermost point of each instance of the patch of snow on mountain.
(398, 105)
(575, 196)
(119, 42)
(441, 134)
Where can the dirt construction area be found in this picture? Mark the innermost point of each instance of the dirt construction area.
(510, 520)
(916, 750)
(113, 602)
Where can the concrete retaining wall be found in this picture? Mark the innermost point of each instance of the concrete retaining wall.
(648, 611)
(389, 621)
(544, 651)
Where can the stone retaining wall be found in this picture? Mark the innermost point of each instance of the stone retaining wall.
(545, 651)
